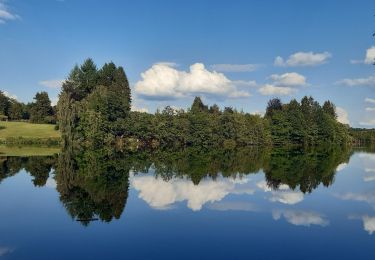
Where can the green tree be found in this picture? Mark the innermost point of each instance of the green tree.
(41, 109)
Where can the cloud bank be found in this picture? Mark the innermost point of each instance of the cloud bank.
(163, 81)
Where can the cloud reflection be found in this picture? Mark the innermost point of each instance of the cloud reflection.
(283, 195)
(300, 217)
(161, 194)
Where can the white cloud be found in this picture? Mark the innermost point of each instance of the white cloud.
(233, 205)
(301, 218)
(369, 81)
(370, 109)
(342, 115)
(163, 81)
(369, 122)
(9, 95)
(367, 156)
(370, 100)
(5, 14)
(139, 109)
(161, 194)
(303, 59)
(258, 112)
(283, 195)
(370, 55)
(54, 101)
(288, 79)
(341, 167)
(368, 223)
(52, 83)
(368, 197)
(283, 84)
(235, 67)
(270, 90)
(51, 183)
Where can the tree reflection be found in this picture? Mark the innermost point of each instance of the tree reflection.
(305, 169)
(93, 184)
(38, 166)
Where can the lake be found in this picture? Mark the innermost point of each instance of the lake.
(253, 203)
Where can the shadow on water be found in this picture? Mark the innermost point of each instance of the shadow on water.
(93, 185)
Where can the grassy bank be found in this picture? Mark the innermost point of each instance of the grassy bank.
(28, 134)
(27, 150)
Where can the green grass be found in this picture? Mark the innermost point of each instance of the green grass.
(27, 151)
(27, 130)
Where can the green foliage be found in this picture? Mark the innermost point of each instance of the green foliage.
(94, 104)
(41, 110)
(305, 123)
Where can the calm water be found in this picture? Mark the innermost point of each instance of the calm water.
(247, 204)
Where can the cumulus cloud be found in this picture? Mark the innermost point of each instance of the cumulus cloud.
(369, 57)
(284, 84)
(164, 81)
(368, 223)
(52, 83)
(161, 194)
(369, 81)
(283, 195)
(288, 79)
(301, 218)
(5, 14)
(235, 67)
(342, 115)
(303, 59)
(370, 100)
(370, 109)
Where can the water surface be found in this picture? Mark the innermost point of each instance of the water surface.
(243, 204)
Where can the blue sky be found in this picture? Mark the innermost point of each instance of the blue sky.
(224, 51)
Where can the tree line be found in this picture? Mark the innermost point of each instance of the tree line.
(38, 111)
(94, 110)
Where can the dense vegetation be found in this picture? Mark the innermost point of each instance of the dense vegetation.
(305, 123)
(94, 104)
(39, 111)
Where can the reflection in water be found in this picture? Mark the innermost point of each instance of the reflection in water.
(161, 194)
(300, 218)
(94, 184)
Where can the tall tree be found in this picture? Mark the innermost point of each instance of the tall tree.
(41, 110)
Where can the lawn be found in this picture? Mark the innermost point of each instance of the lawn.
(27, 130)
